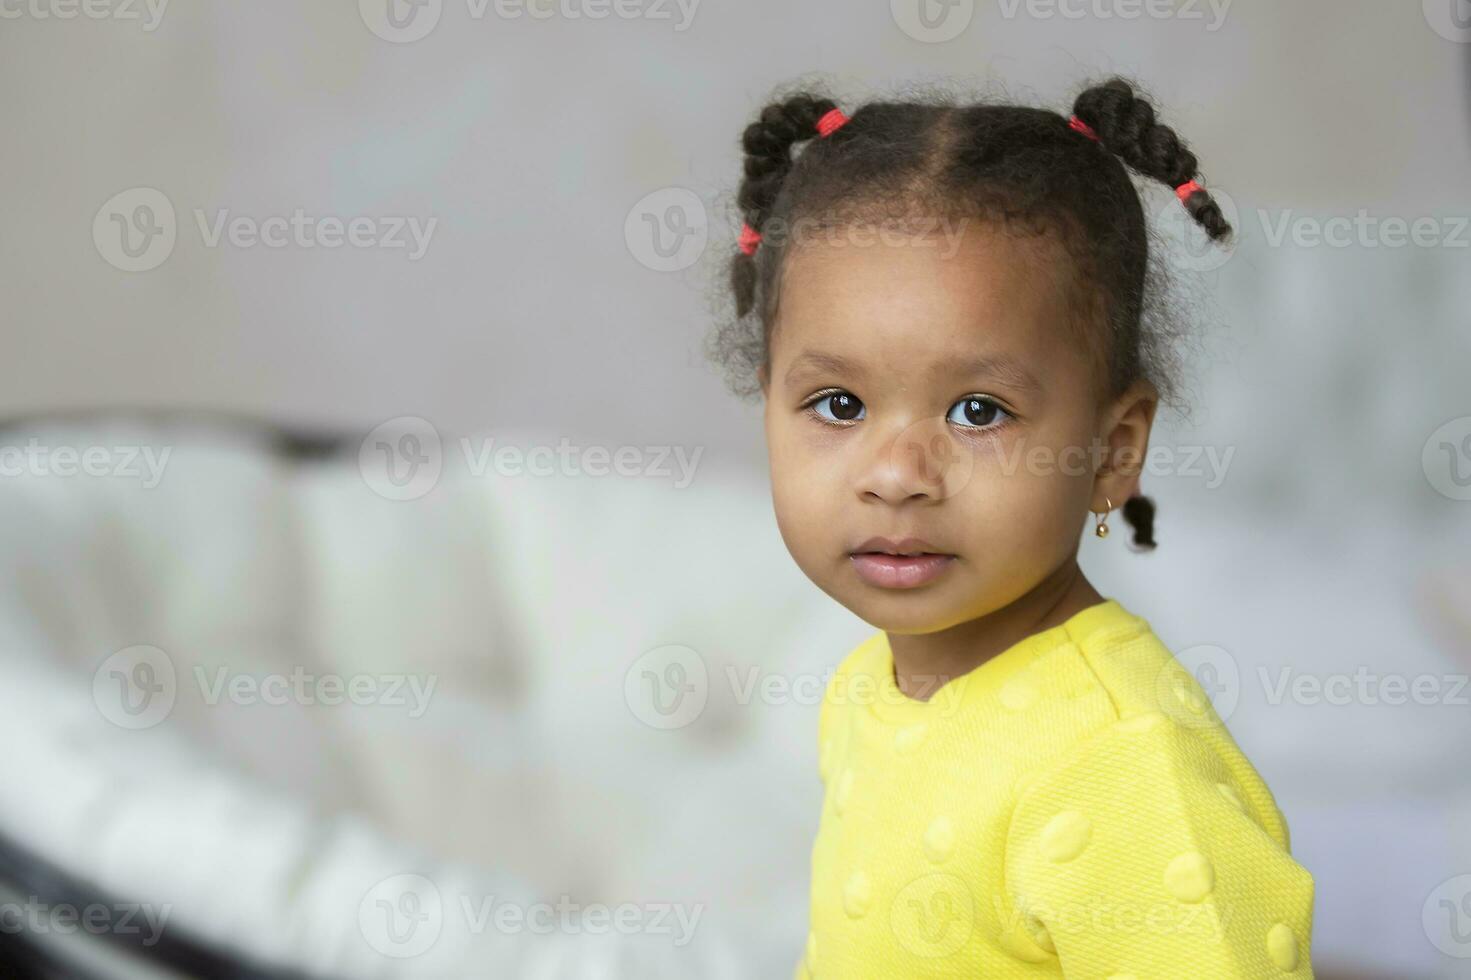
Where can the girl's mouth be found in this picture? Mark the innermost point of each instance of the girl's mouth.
(890, 571)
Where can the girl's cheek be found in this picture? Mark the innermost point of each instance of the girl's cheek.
(802, 483)
(994, 460)
(818, 439)
(1030, 454)
(1014, 483)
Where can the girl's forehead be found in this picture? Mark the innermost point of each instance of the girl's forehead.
(980, 279)
(921, 307)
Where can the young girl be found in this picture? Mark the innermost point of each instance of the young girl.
(942, 308)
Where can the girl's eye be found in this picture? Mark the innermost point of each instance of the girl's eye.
(978, 412)
(840, 407)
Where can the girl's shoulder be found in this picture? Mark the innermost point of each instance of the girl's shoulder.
(1168, 712)
(1165, 814)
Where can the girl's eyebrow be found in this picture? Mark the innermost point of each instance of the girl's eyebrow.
(821, 362)
(1002, 367)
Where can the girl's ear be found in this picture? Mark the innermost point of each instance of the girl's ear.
(1126, 426)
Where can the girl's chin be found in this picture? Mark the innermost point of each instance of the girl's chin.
(906, 611)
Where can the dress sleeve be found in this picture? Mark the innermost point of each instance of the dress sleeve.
(1136, 858)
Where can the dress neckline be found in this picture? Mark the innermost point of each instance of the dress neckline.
(893, 706)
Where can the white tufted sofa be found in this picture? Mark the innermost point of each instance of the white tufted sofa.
(530, 774)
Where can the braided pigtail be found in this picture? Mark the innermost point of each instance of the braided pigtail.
(1124, 124)
(768, 146)
(1139, 513)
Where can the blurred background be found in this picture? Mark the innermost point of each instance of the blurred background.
(392, 589)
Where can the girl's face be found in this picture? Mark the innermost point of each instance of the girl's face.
(917, 390)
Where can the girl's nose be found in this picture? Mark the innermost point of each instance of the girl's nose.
(920, 461)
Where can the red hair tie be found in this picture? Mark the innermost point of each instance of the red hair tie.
(750, 238)
(826, 125)
(830, 121)
(1183, 191)
(1082, 127)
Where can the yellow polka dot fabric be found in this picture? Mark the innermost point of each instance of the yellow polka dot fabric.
(1073, 807)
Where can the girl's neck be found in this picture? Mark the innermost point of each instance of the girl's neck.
(925, 661)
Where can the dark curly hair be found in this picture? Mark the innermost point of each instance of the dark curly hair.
(1023, 167)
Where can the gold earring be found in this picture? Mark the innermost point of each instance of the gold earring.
(1101, 528)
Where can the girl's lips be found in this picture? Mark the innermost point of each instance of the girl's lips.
(899, 571)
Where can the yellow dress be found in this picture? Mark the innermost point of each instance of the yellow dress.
(1073, 807)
